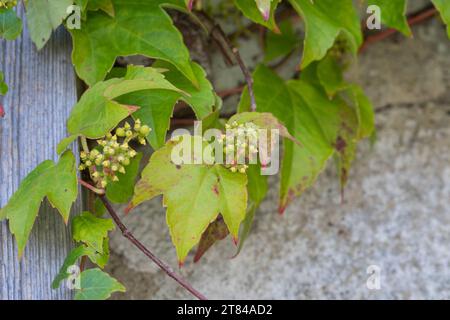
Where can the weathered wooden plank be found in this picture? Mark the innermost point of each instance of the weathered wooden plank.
(42, 93)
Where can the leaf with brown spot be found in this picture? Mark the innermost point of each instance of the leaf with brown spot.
(216, 231)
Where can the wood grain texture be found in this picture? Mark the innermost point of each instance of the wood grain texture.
(42, 93)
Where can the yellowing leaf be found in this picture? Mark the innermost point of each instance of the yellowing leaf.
(57, 182)
(193, 194)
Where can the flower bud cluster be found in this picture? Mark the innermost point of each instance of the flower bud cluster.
(8, 3)
(113, 153)
(241, 141)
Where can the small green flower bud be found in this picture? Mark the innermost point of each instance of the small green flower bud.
(122, 170)
(103, 183)
(114, 138)
(132, 153)
(114, 167)
(83, 155)
(126, 162)
(88, 163)
(81, 167)
(127, 125)
(115, 178)
(106, 163)
(120, 132)
(96, 174)
(128, 133)
(120, 158)
(142, 141)
(124, 146)
(109, 136)
(233, 169)
(145, 130)
(94, 153)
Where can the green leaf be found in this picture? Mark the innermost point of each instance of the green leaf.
(10, 24)
(57, 182)
(121, 191)
(156, 106)
(318, 122)
(3, 85)
(193, 194)
(71, 260)
(393, 14)
(91, 230)
(264, 8)
(331, 76)
(141, 27)
(324, 21)
(97, 285)
(105, 5)
(65, 143)
(444, 8)
(250, 9)
(257, 191)
(97, 113)
(43, 17)
(280, 44)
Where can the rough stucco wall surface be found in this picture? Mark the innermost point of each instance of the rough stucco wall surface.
(396, 213)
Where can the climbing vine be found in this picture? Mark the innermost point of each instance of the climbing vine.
(319, 114)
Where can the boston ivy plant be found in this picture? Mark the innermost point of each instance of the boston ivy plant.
(319, 114)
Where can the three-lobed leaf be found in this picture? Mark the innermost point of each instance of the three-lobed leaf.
(194, 194)
(323, 126)
(140, 27)
(57, 182)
